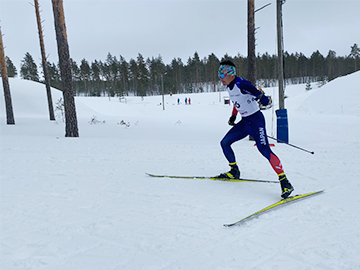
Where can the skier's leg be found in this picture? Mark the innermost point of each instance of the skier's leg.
(258, 132)
(237, 133)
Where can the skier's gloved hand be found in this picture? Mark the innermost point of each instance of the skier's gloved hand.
(232, 119)
(262, 99)
(265, 100)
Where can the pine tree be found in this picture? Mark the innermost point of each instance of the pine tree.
(28, 69)
(355, 54)
(112, 70)
(330, 61)
(133, 68)
(156, 69)
(5, 81)
(196, 67)
(54, 75)
(71, 126)
(95, 74)
(11, 69)
(317, 61)
(143, 76)
(213, 66)
(177, 67)
(44, 62)
(85, 73)
(124, 73)
(75, 71)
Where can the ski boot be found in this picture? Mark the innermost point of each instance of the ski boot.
(286, 187)
(234, 173)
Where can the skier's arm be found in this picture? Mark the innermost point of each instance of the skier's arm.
(234, 111)
(232, 118)
(247, 87)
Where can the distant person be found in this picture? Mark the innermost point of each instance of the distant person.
(244, 96)
(178, 101)
(189, 101)
(185, 101)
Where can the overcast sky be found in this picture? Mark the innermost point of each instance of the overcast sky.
(178, 28)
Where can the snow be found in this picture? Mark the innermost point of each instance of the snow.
(86, 203)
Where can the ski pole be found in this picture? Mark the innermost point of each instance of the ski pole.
(311, 152)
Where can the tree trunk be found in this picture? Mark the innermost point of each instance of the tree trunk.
(44, 64)
(71, 129)
(9, 110)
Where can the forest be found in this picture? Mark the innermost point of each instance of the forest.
(114, 76)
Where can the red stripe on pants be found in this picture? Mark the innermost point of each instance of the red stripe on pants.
(276, 164)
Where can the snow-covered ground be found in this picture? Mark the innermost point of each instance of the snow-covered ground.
(86, 204)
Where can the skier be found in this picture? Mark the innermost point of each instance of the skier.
(244, 96)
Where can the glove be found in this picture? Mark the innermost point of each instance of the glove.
(265, 100)
(232, 119)
(262, 99)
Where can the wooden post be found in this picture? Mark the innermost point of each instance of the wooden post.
(8, 104)
(280, 53)
(162, 90)
(281, 113)
(251, 76)
(44, 62)
(71, 127)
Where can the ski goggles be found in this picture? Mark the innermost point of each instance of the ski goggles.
(222, 76)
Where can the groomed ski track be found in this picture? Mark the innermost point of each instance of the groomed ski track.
(85, 203)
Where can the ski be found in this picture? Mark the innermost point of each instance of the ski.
(273, 206)
(212, 178)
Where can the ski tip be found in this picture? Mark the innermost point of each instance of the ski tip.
(319, 191)
(153, 175)
(303, 195)
(228, 225)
